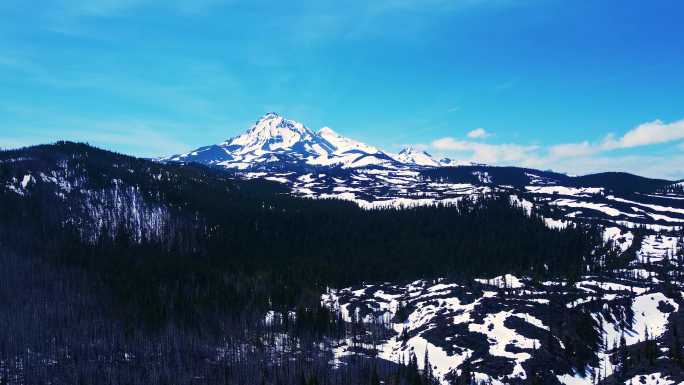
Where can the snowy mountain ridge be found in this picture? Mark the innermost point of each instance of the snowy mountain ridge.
(274, 138)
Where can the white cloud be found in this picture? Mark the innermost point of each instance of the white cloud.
(655, 132)
(647, 165)
(647, 133)
(575, 158)
(486, 153)
(566, 150)
(478, 133)
(578, 157)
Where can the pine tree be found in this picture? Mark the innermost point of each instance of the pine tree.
(313, 380)
(466, 376)
(427, 369)
(374, 378)
(676, 348)
(413, 375)
(650, 347)
(623, 356)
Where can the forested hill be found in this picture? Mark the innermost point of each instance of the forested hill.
(174, 222)
(120, 270)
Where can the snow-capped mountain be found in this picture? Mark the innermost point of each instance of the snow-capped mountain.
(276, 143)
(274, 139)
(415, 157)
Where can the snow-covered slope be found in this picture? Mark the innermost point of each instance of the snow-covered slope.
(276, 141)
(344, 145)
(505, 330)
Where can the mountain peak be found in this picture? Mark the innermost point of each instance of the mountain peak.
(412, 150)
(274, 139)
(327, 131)
(268, 116)
(412, 155)
(271, 132)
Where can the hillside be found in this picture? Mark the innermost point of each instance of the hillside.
(492, 274)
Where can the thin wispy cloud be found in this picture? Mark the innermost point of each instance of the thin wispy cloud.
(506, 85)
(7, 61)
(96, 7)
(478, 133)
(141, 138)
(134, 136)
(567, 150)
(108, 8)
(434, 5)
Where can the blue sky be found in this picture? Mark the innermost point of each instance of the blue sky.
(574, 86)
